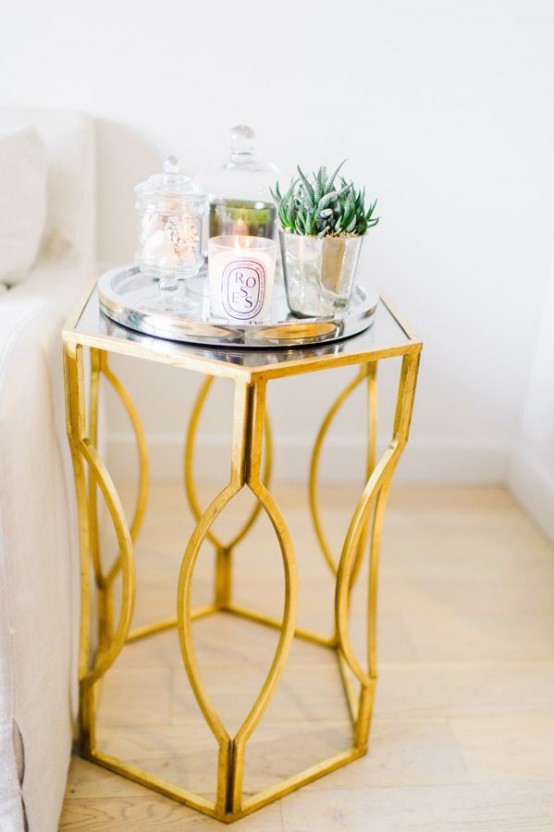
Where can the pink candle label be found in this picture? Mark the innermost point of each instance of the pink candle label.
(243, 288)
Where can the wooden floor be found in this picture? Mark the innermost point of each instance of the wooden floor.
(463, 728)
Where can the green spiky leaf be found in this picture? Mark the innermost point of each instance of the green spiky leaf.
(313, 205)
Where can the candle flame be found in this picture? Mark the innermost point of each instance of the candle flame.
(240, 244)
(241, 227)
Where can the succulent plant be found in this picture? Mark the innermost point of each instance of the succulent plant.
(314, 206)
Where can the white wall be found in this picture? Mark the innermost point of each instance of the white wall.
(532, 474)
(444, 111)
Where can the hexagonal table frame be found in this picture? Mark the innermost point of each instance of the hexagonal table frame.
(250, 371)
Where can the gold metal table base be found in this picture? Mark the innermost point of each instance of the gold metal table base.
(228, 775)
(251, 461)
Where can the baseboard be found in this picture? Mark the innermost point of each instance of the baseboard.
(533, 486)
(423, 461)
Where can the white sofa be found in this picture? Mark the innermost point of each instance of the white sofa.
(39, 600)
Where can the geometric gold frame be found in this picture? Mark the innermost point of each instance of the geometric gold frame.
(251, 461)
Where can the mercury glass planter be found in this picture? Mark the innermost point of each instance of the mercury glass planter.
(319, 272)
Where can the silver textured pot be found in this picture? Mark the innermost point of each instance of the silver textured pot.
(319, 272)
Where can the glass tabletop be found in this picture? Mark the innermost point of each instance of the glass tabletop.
(386, 336)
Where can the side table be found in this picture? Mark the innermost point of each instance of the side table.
(251, 371)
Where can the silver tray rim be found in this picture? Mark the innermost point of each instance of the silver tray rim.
(290, 332)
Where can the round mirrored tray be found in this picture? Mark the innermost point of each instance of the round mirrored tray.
(133, 298)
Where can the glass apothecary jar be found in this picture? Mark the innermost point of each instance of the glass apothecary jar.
(170, 207)
(239, 190)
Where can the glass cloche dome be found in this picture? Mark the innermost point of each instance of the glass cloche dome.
(238, 190)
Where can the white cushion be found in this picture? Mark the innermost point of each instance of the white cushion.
(69, 139)
(23, 178)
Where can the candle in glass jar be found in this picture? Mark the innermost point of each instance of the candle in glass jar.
(241, 274)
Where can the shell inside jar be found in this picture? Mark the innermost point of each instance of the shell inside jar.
(158, 251)
(169, 241)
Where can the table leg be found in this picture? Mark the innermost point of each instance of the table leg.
(248, 434)
(374, 498)
(85, 457)
(223, 549)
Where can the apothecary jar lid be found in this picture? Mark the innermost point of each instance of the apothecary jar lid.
(169, 188)
(243, 175)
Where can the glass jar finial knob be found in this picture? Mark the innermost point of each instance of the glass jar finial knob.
(242, 140)
(171, 164)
